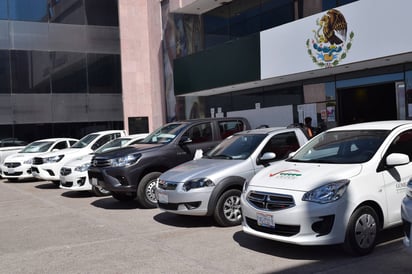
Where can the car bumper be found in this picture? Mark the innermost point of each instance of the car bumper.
(305, 223)
(46, 172)
(193, 202)
(406, 211)
(108, 182)
(20, 172)
(77, 181)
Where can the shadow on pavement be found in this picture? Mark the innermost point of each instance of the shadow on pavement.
(21, 181)
(47, 185)
(111, 203)
(184, 220)
(77, 194)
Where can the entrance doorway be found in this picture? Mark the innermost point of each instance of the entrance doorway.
(365, 104)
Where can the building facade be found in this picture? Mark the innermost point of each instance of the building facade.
(60, 69)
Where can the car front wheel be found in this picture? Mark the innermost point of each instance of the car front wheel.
(227, 211)
(362, 231)
(146, 190)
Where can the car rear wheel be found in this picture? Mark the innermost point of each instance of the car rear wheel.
(99, 191)
(228, 211)
(123, 197)
(362, 231)
(146, 190)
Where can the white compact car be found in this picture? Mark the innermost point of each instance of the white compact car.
(9, 146)
(73, 175)
(47, 166)
(211, 186)
(343, 186)
(18, 165)
(406, 212)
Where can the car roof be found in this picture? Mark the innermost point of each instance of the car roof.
(378, 125)
(54, 139)
(261, 130)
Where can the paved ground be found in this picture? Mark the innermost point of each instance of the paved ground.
(44, 229)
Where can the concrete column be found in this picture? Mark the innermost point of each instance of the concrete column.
(141, 57)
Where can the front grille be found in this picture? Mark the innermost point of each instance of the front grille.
(13, 173)
(100, 162)
(37, 161)
(167, 185)
(12, 165)
(270, 201)
(66, 184)
(281, 230)
(64, 171)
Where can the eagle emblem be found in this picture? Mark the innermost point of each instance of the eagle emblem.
(330, 43)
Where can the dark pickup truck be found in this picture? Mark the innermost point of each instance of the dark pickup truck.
(132, 171)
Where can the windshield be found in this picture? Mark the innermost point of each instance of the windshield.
(237, 147)
(164, 134)
(38, 146)
(83, 142)
(341, 147)
(116, 143)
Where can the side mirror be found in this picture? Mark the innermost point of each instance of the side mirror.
(266, 158)
(397, 159)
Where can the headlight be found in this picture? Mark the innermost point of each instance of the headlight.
(197, 183)
(125, 160)
(28, 162)
(327, 193)
(409, 189)
(53, 159)
(82, 168)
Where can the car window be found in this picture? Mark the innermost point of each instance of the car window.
(164, 134)
(60, 145)
(228, 128)
(238, 147)
(402, 144)
(103, 140)
(282, 145)
(83, 142)
(200, 133)
(72, 142)
(342, 147)
(38, 146)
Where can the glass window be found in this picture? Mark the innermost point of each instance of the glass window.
(69, 72)
(60, 145)
(30, 71)
(67, 12)
(3, 10)
(200, 133)
(228, 128)
(102, 12)
(104, 73)
(276, 13)
(282, 145)
(29, 35)
(28, 10)
(4, 71)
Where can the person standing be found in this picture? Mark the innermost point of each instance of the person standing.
(308, 127)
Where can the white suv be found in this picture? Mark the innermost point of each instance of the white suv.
(18, 165)
(343, 186)
(73, 175)
(47, 166)
(406, 212)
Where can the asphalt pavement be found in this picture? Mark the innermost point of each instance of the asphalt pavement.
(44, 229)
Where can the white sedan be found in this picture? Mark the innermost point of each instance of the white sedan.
(343, 186)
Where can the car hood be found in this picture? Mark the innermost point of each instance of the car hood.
(119, 152)
(79, 161)
(200, 168)
(21, 156)
(68, 152)
(303, 176)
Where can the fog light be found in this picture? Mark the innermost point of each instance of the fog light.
(81, 181)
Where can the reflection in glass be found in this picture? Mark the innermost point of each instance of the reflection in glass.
(4, 71)
(3, 10)
(104, 73)
(30, 71)
(69, 72)
(28, 10)
(67, 12)
(102, 12)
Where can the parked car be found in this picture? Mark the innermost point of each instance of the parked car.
(17, 166)
(343, 186)
(73, 175)
(47, 166)
(211, 186)
(132, 171)
(9, 146)
(406, 213)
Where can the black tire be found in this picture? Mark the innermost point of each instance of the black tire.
(99, 191)
(123, 197)
(227, 211)
(146, 190)
(362, 231)
(56, 183)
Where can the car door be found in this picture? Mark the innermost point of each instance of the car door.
(396, 178)
(199, 136)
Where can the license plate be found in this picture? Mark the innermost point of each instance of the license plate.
(265, 220)
(94, 181)
(10, 170)
(163, 198)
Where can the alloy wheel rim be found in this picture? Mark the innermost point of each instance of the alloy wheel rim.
(231, 208)
(150, 191)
